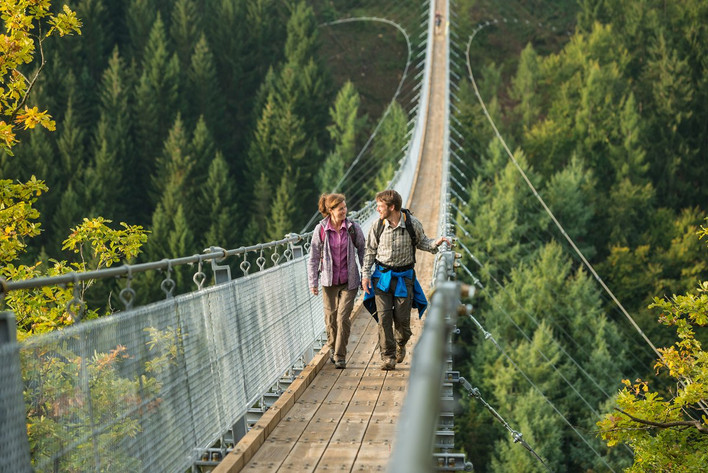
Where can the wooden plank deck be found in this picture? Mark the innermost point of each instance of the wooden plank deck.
(345, 420)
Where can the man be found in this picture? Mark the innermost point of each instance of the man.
(390, 246)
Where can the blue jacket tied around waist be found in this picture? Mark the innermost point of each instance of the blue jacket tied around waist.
(385, 277)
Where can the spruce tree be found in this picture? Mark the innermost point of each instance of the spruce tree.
(69, 213)
(141, 17)
(156, 98)
(311, 90)
(283, 211)
(185, 30)
(205, 97)
(114, 135)
(175, 168)
(280, 143)
(218, 206)
(104, 189)
(97, 37)
(71, 145)
(181, 242)
(343, 133)
(387, 148)
(202, 149)
(260, 210)
(569, 195)
(523, 88)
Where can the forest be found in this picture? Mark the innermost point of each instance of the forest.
(609, 125)
(197, 119)
(219, 122)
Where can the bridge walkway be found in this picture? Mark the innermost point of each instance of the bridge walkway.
(345, 420)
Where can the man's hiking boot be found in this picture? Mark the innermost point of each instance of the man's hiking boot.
(340, 364)
(389, 364)
(400, 353)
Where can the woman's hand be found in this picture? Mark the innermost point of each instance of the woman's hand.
(314, 291)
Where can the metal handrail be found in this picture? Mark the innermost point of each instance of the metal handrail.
(413, 447)
(214, 253)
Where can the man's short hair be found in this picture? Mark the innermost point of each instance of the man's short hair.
(390, 197)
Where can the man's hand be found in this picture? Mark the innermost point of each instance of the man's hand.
(365, 284)
(442, 239)
(314, 291)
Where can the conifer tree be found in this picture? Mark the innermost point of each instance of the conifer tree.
(69, 213)
(673, 97)
(388, 147)
(97, 39)
(202, 149)
(103, 199)
(231, 40)
(265, 38)
(175, 167)
(218, 206)
(114, 136)
(141, 17)
(156, 97)
(181, 241)
(250, 36)
(310, 90)
(34, 158)
(185, 30)
(343, 133)
(569, 195)
(281, 221)
(260, 210)
(524, 86)
(205, 97)
(279, 143)
(70, 144)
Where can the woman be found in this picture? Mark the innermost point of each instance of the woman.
(337, 244)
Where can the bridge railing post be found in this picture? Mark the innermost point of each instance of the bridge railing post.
(14, 445)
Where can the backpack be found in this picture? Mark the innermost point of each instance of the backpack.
(379, 227)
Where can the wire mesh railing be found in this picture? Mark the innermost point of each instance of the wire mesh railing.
(148, 389)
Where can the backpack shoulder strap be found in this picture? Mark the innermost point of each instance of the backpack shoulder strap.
(378, 229)
(409, 227)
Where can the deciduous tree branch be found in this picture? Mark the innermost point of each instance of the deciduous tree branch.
(666, 425)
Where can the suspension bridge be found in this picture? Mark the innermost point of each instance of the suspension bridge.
(232, 376)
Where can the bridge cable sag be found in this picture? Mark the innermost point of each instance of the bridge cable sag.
(548, 210)
(388, 108)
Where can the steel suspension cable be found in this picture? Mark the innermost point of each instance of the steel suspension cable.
(548, 210)
(489, 336)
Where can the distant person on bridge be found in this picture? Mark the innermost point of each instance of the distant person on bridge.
(438, 20)
(391, 245)
(337, 243)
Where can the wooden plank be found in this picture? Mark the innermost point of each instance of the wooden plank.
(338, 457)
(249, 445)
